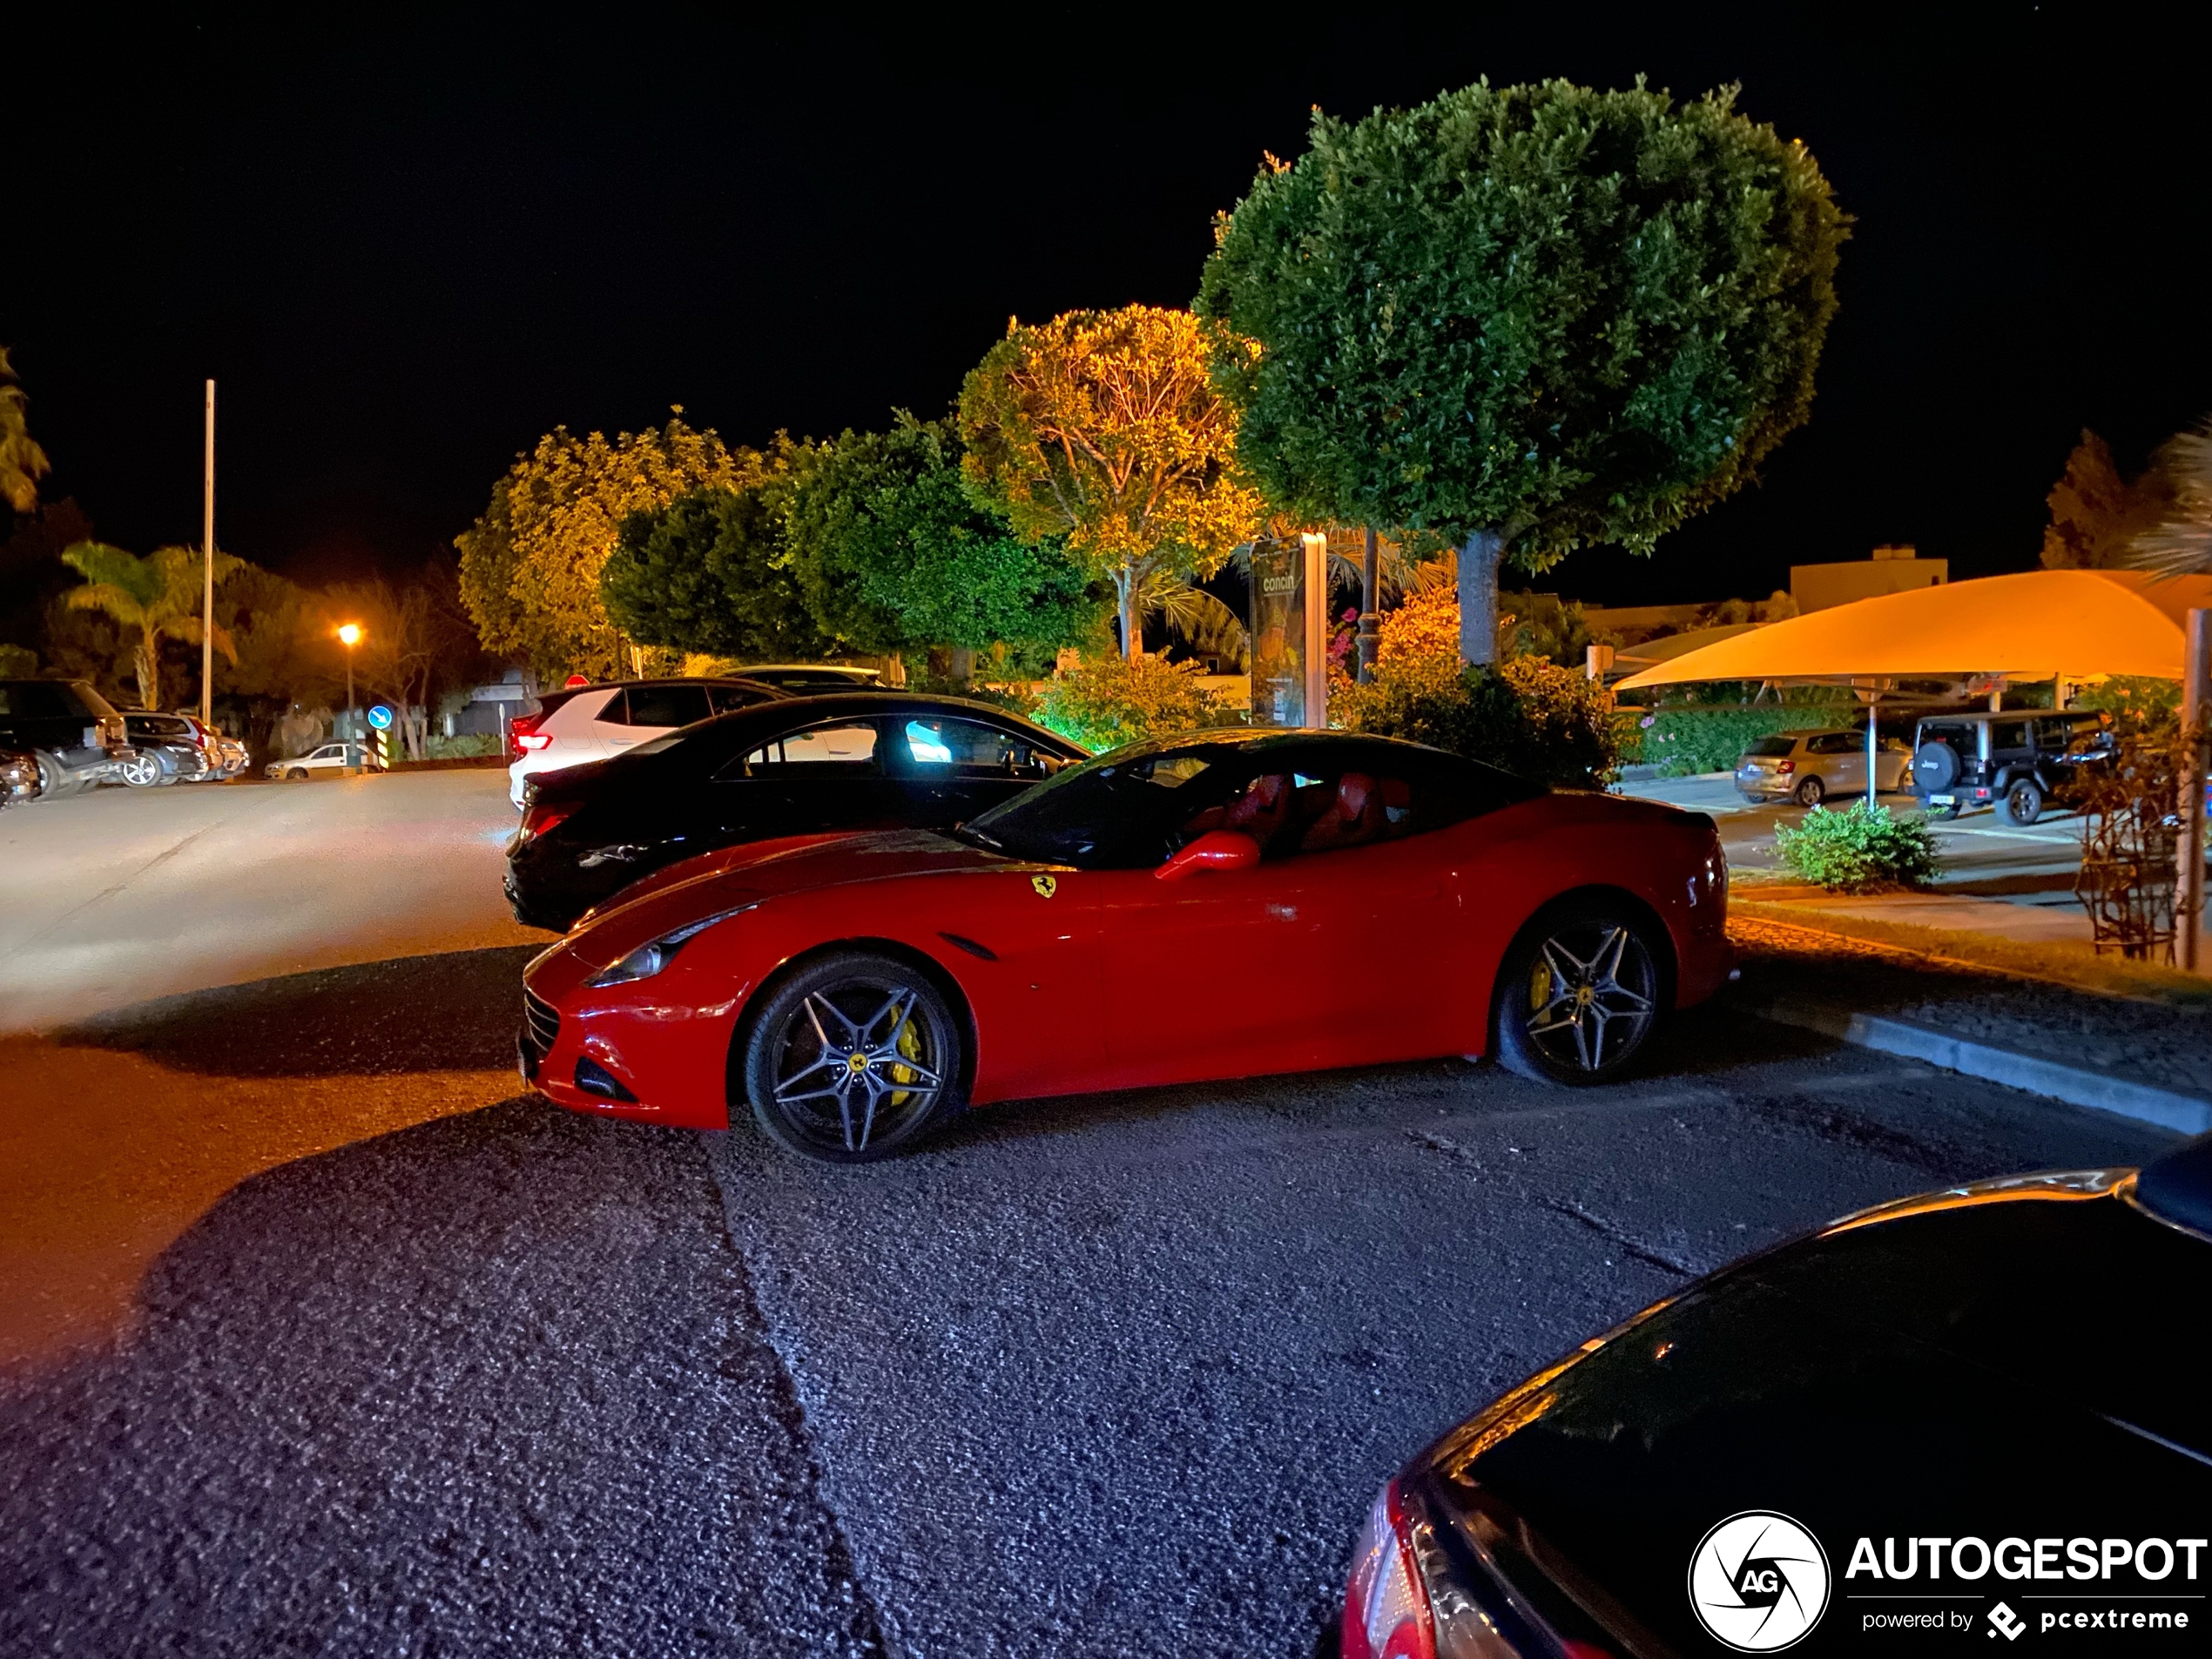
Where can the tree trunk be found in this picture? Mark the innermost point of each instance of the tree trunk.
(147, 662)
(959, 662)
(1478, 563)
(1125, 589)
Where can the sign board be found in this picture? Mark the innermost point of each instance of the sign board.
(380, 717)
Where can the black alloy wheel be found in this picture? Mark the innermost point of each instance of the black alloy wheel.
(1811, 791)
(852, 1059)
(2024, 802)
(1577, 996)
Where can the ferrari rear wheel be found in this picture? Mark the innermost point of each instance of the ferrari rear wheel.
(1578, 995)
(853, 1058)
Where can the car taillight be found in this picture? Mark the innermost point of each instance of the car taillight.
(1386, 1614)
(1785, 765)
(537, 820)
(531, 742)
(521, 730)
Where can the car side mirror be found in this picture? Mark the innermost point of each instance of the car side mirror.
(1215, 850)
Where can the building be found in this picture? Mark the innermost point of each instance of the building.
(1892, 569)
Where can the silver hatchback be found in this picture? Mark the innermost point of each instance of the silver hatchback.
(1808, 766)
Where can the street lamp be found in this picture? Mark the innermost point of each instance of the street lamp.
(349, 634)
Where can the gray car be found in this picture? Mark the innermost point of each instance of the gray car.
(1808, 766)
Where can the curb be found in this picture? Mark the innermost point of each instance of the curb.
(2186, 1114)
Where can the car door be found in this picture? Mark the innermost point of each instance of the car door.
(1840, 758)
(640, 712)
(1280, 966)
(822, 778)
(949, 769)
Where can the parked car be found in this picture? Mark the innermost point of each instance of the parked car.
(1979, 1378)
(856, 761)
(19, 777)
(2015, 760)
(805, 679)
(75, 736)
(1208, 905)
(342, 756)
(593, 722)
(1808, 766)
(229, 754)
(169, 748)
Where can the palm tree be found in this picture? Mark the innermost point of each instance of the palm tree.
(2182, 543)
(21, 462)
(159, 595)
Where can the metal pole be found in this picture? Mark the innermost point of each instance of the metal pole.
(207, 609)
(2197, 668)
(1317, 628)
(1873, 782)
(353, 723)
(1370, 621)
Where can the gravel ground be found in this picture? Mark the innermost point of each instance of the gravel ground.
(2145, 1041)
(1104, 1376)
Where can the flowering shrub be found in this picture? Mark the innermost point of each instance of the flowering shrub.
(1528, 715)
(1859, 849)
(1105, 702)
(1685, 741)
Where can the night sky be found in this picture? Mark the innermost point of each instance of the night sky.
(406, 252)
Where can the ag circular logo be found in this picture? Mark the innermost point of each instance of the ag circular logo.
(1758, 1582)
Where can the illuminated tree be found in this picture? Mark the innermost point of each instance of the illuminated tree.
(1529, 318)
(530, 565)
(1104, 430)
(895, 554)
(707, 572)
(150, 598)
(22, 463)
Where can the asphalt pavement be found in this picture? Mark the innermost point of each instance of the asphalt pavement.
(430, 1367)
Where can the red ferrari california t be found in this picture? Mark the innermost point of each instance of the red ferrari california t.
(1220, 905)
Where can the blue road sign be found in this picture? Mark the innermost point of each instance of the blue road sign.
(380, 717)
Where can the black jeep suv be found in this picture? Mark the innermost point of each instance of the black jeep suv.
(78, 738)
(2015, 760)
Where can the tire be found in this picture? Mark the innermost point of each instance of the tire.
(1936, 766)
(55, 780)
(822, 1059)
(2024, 802)
(1578, 994)
(300, 773)
(1810, 792)
(142, 771)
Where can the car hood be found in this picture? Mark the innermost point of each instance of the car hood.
(760, 870)
(1990, 1371)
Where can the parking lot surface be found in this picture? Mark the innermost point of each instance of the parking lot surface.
(419, 1365)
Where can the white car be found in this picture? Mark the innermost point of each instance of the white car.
(594, 722)
(330, 757)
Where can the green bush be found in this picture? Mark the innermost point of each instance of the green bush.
(1859, 849)
(1526, 716)
(1104, 702)
(1684, 741)
(17, 662)
(467, 744)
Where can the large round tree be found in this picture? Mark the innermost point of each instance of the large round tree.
(1528, 318)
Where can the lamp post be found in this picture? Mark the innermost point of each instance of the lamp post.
(349, 634)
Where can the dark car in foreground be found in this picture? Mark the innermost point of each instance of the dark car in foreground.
(1979, 1411)
(72, 731)
(19, 780)
(170, 749)
(855, 760)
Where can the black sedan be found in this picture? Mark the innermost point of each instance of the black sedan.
(1975, 1413)
(857, 760)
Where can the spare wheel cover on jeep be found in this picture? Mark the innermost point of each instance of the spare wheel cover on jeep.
(1935, 767)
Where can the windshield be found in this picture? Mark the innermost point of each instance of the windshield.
(1115, 813)
(1772, 748)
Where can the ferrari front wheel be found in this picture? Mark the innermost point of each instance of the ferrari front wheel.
(853, 1058)
(1578, 995)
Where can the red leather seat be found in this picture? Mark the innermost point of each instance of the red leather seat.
(1353, 818)
(1260, 811)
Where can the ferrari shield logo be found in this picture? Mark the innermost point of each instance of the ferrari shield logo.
(1045, 885)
